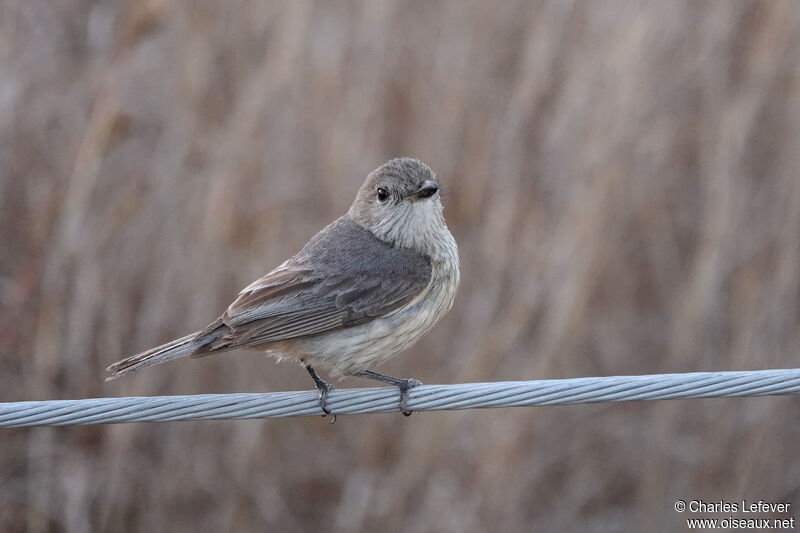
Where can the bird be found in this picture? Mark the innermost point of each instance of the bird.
(366, 287)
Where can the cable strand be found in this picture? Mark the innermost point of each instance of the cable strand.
(386, 399)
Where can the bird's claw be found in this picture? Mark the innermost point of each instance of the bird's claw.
(405, 387)
(323, 399)
(323, 388)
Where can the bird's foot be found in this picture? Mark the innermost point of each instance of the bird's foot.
(323, 397)
(404, 387)
(323, 388)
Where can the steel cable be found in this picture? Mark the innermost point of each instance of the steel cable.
(386, 399)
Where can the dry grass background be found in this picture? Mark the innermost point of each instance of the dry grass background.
(623, 179)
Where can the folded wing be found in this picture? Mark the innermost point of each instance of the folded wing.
(342, 278)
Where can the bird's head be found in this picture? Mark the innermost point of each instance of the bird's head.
(400, 203)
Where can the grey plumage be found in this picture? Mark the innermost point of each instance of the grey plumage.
(365, 287)
(325, 288)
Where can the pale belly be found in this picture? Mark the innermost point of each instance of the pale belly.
(363, 347)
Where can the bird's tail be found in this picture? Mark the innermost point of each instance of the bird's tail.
(195, 343)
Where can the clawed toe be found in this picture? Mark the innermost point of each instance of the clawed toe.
(323, 398)
(323, 387)
(405, 387)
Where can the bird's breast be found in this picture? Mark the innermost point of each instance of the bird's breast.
(364, 346)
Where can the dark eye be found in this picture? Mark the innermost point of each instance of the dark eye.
(383, 194)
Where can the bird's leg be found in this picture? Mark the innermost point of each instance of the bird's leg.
(323, 387)
(404, 385)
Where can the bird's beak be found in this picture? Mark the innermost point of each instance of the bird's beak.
(426, 190)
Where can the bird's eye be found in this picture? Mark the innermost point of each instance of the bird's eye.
(383, 194)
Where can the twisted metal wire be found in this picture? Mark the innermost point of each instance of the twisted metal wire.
(386, 399)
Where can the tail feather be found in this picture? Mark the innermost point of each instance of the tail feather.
(188, 345)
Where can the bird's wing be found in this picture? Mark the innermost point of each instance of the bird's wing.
(345, 278)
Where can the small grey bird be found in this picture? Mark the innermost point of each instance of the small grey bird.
(366, 287)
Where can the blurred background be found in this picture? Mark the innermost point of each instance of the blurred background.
(623, 179)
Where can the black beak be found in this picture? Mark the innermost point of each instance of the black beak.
(426, 190)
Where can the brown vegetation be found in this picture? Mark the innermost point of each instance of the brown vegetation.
(623, 179)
